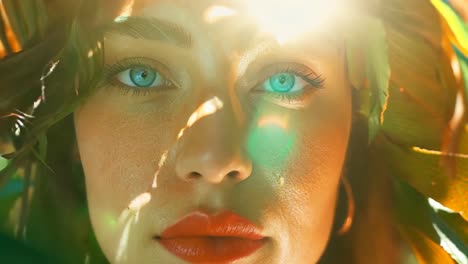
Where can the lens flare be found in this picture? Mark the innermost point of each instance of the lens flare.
(270, 142)
(216, 13)
(273, 121)
(288, 20)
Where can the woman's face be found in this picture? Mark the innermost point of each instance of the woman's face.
(212, 140)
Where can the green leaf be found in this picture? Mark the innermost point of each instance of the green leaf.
(369, 68)
(456, 223)
(464, 70)
(422, 170)
(41, 152)
(425, 250)
(42, 141)
(378, 73)
(356, 60)
(415, 224)
(452, 230)
(3, 163)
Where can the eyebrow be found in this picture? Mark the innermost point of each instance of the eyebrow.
(151, 29)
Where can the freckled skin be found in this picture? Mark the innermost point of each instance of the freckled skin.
(121, 138)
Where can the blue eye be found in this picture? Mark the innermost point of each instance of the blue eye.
(285, 83)
(141, 76)
(282, 82)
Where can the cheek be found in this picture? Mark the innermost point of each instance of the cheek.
(119, 152)
(312, 175)
(121, 139)
(112, 150)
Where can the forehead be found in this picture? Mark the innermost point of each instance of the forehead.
(276, 18)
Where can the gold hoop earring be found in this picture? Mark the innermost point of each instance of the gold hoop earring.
(349, 217)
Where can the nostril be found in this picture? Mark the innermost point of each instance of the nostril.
(194, 175)
(233, 174)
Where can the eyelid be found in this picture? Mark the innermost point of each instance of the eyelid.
(292, 67)
(302, 71)
(110, 71)
(314, 81)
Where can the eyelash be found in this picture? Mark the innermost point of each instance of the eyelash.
(314, 80)
(111, 71)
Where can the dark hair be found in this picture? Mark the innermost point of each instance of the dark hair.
(53, 76)
(60, 68)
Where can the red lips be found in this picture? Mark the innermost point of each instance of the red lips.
(219, 238)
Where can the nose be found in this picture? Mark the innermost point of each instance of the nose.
(211, 150)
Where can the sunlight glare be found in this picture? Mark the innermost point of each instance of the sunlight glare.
(438, 152)
(289, 20)
(455, 67)
(126, 11)
(161, 162)
(140, 201)
(123, 243)
(216, 13)
(207, 108)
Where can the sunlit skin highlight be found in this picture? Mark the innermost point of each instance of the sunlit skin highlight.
(140, 201)
(161, 162)
(207, 108)
(132, 214)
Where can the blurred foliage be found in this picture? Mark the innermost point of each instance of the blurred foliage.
(411, 117)
(402, 64)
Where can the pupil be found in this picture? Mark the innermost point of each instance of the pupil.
(282, 82)
(282, 79)
(143, 76)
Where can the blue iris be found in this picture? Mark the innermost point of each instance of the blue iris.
(282, 82)
(143, 76)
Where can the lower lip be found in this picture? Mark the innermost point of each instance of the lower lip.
(211, 249)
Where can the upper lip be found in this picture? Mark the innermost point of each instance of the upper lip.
(223, 224)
